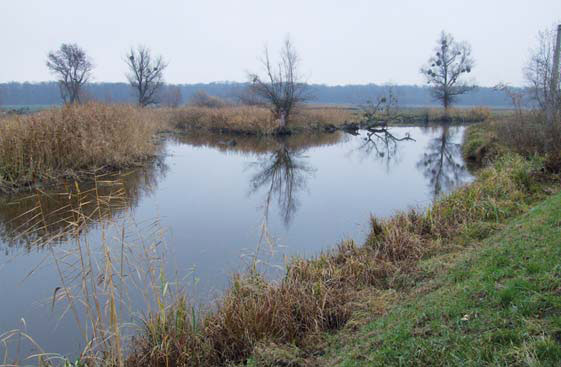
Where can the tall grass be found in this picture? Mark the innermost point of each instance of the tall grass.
(526, 133)
(67, 141)
(103, 283)
(254, 120)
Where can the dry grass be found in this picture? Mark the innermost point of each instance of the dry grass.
(66, 141)
(239, 119)
(525, 133)
(253, 120)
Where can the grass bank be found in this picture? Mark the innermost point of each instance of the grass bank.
(500, 305)
(72, 141)
(288, 322)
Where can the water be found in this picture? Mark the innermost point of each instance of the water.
(215, 201)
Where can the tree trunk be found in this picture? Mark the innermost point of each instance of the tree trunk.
(553, 103)
(282, 120)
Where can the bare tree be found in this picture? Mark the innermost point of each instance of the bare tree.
(146, 74)
(540, 74)
(282, 88)
(73, 68)
(445, 68)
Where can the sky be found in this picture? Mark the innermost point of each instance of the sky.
(339, 41)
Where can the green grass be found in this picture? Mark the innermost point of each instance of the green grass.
(500, 305)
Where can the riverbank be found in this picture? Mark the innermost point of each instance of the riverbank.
(497, 305)
(289, 322)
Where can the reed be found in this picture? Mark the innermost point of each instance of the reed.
(255, 120)
(66, 142)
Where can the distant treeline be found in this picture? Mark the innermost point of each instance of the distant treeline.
(47, 93)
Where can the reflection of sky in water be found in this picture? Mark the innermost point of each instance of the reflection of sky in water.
(214, 199)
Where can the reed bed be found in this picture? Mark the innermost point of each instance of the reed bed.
(68, 141)
(254, 120)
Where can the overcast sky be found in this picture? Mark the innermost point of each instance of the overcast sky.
(339, 41)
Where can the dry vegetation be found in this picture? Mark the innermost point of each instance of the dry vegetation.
(255, 120)
(69, 141)
(528, 135)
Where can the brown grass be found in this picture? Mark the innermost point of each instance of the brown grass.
(253, 120)
(525, 133)
(65, 141)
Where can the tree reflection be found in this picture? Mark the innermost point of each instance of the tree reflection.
(442, 162)
(382, 144)
(282, 173)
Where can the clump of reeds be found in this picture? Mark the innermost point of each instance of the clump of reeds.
(255, 120)
(66, 141)
(237, 119)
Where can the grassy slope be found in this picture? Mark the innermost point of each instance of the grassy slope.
(500, 305)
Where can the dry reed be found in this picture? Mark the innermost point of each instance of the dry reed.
(67, 141)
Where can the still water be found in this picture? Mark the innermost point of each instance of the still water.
(215, 205)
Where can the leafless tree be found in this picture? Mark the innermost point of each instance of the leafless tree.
(543, 85)
(73, 68)
(146, 74)
(172, 96)
(445, 68)
(282, 88)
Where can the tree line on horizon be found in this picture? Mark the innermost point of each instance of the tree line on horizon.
(47, 93)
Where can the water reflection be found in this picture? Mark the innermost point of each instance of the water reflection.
(256, 144)
(383, 145)
(33, 220)
(282, 173)
(442, 162)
